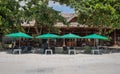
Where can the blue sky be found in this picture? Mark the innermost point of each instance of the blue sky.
(63, 8)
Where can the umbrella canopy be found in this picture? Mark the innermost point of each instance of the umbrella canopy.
(48, 36)
(19, 35)
(70, 36)
(96, 36)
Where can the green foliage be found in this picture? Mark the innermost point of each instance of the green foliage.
(87, 49)
(12, 14)
(9, 16)
(67, 2)
(0, 20)
(99, 13)
(43, 15)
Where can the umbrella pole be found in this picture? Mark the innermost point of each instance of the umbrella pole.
(94, 42)
(19, 42)
(48, 43)
(75, 42)
(12, 43)
(71, 43)
(63, 42)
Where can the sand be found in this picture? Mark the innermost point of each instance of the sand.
(59, 64)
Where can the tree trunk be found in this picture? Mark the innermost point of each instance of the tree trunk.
(115, 43)
(40, 32)
(36, 29)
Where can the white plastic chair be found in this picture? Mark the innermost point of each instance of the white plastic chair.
(48, 50)
(71, 50)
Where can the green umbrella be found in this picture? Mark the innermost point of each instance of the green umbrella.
(95, 36)
(48, 36)
(19, 35)
(69, 36)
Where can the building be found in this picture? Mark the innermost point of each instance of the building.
(78, 29)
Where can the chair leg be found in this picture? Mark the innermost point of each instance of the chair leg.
(69, 52)
(46, 51)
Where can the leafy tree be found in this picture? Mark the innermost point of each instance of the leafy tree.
(10, 16)
(0, 20)
(43, 15)
(99, 13)
(67, 2)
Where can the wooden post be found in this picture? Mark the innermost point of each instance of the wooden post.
(115, 43)
(64, 42)
(75, 44)
(94, 42)
(19, 42)
(48, 43)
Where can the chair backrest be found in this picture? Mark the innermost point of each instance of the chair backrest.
(58, 49)
(22, 47)
(71, 47)
(64, 48)
(29, 48)
(16, 47)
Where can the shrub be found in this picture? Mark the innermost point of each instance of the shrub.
(87, 49)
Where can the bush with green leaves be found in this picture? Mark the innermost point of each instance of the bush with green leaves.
(87, 49)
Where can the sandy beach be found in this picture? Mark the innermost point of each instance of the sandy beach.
(59, 64)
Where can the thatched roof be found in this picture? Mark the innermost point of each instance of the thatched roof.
(68, 17)
(31, 23)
